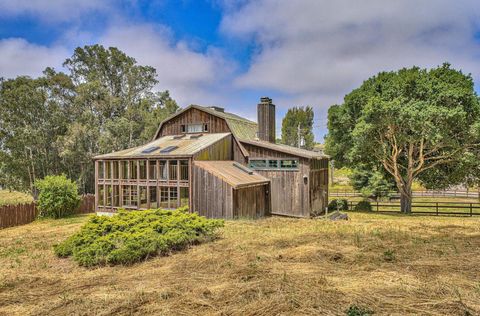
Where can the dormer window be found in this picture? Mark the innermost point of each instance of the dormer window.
(194, 128)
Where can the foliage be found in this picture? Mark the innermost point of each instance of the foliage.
(371, 183)
(296, 116)
(338, 204)
(414, 124)
(58, 196)
(355, 310)
(131, 236)
(56, 123)
(13, 197)
(363, 206)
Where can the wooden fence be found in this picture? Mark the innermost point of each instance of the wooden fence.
(426, 208)
(418, 193)
(20, 214)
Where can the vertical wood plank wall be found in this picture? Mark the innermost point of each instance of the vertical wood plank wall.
(266, 122)
(211, 196)
(252, 201)
(221, 150)
(194, 116)
(290, 195)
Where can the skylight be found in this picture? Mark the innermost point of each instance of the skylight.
(150, 150)
(168, 149)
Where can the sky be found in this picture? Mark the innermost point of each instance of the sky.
(231, 53)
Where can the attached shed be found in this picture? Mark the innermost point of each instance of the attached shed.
(227, 189)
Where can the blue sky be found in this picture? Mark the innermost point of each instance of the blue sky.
(230, 53)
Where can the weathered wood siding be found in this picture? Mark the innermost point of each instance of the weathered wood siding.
(238, 155)
(318, 191)
(214, 198)
(289, 193)
(194, 116)
(211, 196)
(251, 202)
(266, 122)
(318, 185)
(221, 150)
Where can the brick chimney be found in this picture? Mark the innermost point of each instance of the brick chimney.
(266, 120)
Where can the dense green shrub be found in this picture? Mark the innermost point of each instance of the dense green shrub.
(131, 236)
(58, 196)
(355, 310)
(338, 204)
(363, 206)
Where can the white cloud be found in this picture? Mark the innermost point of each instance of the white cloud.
(191, 76)
(19, 57)
(52, 10)
(314, 52)
(329, 46)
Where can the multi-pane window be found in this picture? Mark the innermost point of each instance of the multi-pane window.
(116, 168)
(184, 196)
(258, 164)
(133, 170)
(116, 196)
(288, 164)
(152, 170)
(143, 197)
(163, 197)
(163, 169)
(183, 169)
(194, 128)
(273, 164)
(108, 197)
(101, 170)
(108, 170)
(130, 195)
(173, 197)
(101, 196)
(124, 166)
(153, 197)
(172, 170)
(143, 169)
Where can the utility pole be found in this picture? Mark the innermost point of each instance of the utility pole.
(299, 136)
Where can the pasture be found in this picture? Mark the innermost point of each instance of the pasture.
(388, 264)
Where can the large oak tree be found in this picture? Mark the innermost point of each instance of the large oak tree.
(416, 124)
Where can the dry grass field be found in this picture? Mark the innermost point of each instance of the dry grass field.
(392, 265)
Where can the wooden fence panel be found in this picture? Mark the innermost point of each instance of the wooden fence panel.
(20, 214)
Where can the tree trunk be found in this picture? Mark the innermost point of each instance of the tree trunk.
(406, 202)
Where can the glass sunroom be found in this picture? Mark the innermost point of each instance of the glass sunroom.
(142, 183)
(156, 175)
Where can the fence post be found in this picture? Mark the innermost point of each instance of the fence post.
(471, 209)
(437, 208)
(377, 206)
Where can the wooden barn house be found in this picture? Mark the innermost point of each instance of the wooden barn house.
(219, 164)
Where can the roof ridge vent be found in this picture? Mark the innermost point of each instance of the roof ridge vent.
(243, 168)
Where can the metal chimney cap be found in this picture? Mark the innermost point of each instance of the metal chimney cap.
(265, 100)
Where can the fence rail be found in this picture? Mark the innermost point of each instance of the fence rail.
(425, 208)
(20, 214)
(424, 193)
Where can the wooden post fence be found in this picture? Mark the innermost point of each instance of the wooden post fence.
(20, 214)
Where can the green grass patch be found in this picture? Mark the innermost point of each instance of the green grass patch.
(131, 236)
(14, 197)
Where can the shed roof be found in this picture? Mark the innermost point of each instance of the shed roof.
(232, 173)
(286, 149)
(171, 145)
